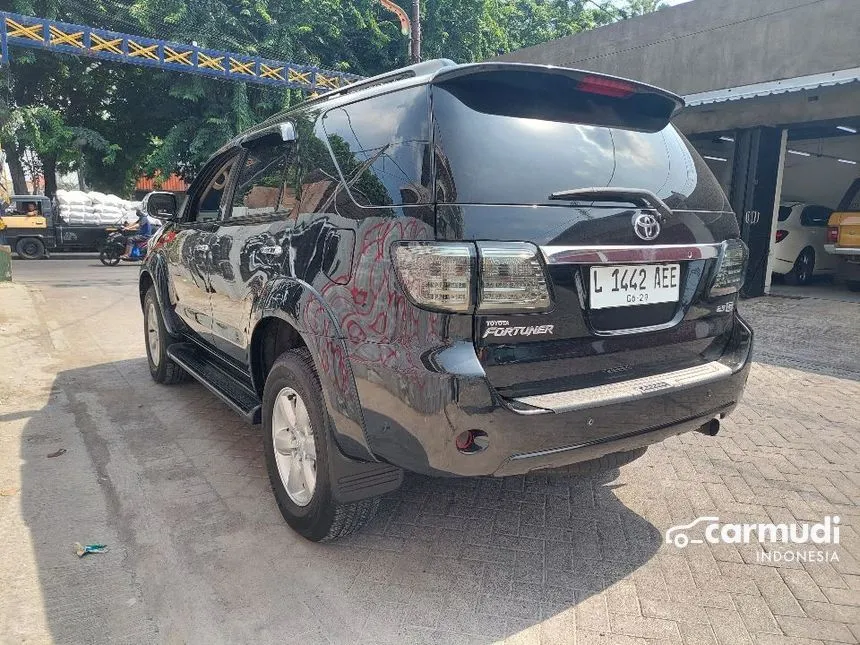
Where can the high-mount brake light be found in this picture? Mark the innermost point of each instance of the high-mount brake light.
(606, 87)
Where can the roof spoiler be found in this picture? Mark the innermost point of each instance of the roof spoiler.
(559, 94)
(586, 78)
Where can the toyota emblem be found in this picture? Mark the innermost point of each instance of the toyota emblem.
(646, 226)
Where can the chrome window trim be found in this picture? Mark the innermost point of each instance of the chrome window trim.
(630, 254)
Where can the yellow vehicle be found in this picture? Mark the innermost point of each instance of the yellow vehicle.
(843, 236)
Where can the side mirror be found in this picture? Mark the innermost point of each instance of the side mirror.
(161, 205)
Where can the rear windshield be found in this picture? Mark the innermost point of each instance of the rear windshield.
(784, 213)
(487, 156)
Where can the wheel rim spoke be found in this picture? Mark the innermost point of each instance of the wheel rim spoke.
(309, 473)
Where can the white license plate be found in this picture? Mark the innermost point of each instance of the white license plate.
(634, 284)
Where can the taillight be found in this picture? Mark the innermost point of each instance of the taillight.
(832, 234)
(512, 278)
(497, 277)
(781, 235)
(437, 275)
(731, 270)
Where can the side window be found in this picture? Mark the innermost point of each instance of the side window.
(382, 147)
(208, 206)
(815, 216)
(266, 182)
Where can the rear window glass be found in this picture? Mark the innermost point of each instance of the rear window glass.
(488, 158)
(815, 216)
(784, 213)
(381, 147)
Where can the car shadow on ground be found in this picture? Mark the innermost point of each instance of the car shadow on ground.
(198, 549)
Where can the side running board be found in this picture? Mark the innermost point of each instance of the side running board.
(351, 479)
(217, 380)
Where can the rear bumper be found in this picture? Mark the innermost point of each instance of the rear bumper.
(782, 266)
(842, 250)
(413, 415)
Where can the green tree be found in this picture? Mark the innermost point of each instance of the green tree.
(640, 7)
(145, 121)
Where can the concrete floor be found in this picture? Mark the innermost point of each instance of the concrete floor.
(175, 484)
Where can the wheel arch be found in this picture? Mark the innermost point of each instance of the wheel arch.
(291, 313)
(154, 274)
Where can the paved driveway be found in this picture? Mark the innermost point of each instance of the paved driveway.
(174, 483)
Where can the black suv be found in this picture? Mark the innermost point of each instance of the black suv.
(457, 270)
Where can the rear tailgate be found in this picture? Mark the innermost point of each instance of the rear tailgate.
(584, 168)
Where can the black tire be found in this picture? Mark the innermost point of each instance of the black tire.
(321, 519)
(109, 256)
(30, 248)
(606, 462)
(161, 366)
(803, 269)
(853, 285)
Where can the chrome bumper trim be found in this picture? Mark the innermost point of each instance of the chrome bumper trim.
(629, 254)
(600, 395)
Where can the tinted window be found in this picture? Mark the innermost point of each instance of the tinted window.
(502, 159)
(784, 213)
(207, 207)
(381, 147)
(815, 216)
(265, 183)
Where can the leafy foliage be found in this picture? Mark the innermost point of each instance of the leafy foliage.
(114, 122)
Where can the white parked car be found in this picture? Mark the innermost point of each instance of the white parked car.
(799, 243)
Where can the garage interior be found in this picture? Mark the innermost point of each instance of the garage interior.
(818, 160)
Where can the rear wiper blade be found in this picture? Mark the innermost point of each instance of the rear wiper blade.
(638, 196)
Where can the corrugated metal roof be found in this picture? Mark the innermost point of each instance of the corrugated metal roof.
(173, 183)
(769, 88)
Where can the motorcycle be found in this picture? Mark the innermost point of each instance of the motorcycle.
(114, 247)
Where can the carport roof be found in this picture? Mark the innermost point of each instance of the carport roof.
(796, 84)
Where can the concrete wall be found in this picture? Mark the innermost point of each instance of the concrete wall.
(714, 44)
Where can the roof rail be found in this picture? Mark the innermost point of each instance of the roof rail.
(418, 69)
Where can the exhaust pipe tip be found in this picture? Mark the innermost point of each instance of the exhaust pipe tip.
(711, 428)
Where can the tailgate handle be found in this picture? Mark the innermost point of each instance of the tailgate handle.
(608, 194)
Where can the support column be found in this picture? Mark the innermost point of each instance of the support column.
(756, 184)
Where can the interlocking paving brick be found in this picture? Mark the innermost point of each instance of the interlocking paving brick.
(815, 628)
(548, 558)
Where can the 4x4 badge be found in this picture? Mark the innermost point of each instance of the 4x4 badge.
(646, 226)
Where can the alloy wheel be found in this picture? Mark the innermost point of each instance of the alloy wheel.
(153, 338)
(295, 446)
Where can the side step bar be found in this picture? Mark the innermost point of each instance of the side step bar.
(351, 479)
(226, 387)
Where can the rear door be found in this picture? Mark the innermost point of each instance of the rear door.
(188, 246)
(628, 218)
(251, 243)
